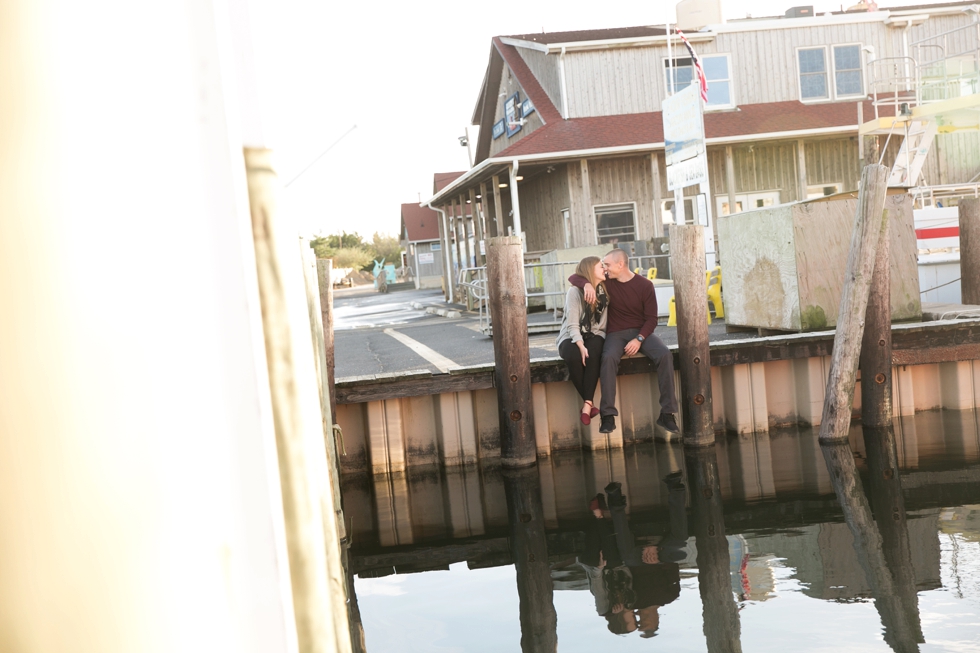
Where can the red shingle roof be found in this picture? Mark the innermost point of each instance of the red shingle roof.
(420, 222)
(647, 128)
(442, 179)
(532, 87)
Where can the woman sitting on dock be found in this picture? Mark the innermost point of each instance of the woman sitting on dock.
(583, 332)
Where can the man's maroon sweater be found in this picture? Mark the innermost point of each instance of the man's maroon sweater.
(632, 305)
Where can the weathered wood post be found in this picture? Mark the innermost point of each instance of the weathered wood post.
(899, 632)
(853, 304)
(312, 535)
(529, 548)
(688, 266)
(324, 272)
(722, 626)
(511, 355)
(970, 251)
(876, 344)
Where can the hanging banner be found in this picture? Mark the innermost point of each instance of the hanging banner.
(683, 125)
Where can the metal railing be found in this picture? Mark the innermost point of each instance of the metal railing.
(542, 280)
(925, 196)
(938, 67)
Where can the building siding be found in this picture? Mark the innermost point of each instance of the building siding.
(543, 195)
(508, 86)
(545, 69)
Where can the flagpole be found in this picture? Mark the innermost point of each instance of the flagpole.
(670, 64)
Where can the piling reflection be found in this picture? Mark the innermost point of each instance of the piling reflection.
(529, 548)
(722, 629)
(899, 631)
(603, 539)
(888, 508)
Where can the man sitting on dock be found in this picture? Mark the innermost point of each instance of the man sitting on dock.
(632, 319)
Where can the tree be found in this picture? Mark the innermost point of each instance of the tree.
(388, 247)
(352, 257)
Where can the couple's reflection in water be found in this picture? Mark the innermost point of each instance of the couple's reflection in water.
(629, 554)
(631, 582)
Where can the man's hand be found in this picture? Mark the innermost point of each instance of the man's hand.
(632, 347)
(589, 291)
(583, 351)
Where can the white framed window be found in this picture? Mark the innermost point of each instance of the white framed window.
(848, 70)
(830, 74)
(748, 201)
(615, 223)
(812, 63)
(717, 70)
(822, 190)
(667, 210)
(435, 247)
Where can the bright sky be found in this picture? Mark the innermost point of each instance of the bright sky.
(407, 74)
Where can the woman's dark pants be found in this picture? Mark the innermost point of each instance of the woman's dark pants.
(584, 377)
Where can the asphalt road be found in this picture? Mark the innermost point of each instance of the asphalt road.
(376, 334)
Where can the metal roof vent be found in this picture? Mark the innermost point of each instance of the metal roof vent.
(800, 12)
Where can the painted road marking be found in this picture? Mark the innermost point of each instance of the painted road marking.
(431, 355)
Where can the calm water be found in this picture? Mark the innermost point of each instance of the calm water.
(765, 543)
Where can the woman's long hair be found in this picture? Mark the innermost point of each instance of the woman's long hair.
(586, 268)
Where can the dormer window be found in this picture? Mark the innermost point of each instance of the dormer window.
(717, 70)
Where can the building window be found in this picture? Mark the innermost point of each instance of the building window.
(435, 247)
(816, 70)
(667, 211)
(847, 71)
(813, 73)
(717, 70)
(615, 224)
(822, 190)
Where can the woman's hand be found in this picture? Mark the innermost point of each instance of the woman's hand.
(583, 350)
(589, 292)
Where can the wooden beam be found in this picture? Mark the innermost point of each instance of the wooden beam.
(853, 304)
(876, 345)
(970, 250)
(512, 371)
(477, 228)
(730, 180)
(687, 262)
(447, 253)
(801, 168)
(658, 220)
(588, 224)
(467, 245)
(498, 208)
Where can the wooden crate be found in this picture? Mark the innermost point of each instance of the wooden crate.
(783, 266)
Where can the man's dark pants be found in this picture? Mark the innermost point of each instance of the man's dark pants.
(654, 349)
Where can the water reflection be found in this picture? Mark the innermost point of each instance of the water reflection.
(529, 548)
(721, 621)
(747, 542)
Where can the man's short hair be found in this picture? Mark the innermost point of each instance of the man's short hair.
(619, 255)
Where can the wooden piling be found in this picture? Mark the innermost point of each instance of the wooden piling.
(688, 265)
(970, 251)
(512, 371)
(529, 548)
(312, 536)
(324, 271)
(876, 344)
(853, 304)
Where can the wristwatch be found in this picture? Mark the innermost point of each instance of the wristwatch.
(640, 338)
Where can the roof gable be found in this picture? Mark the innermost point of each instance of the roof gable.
(420, 222)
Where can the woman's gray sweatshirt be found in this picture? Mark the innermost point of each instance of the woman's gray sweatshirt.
(570, 329)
